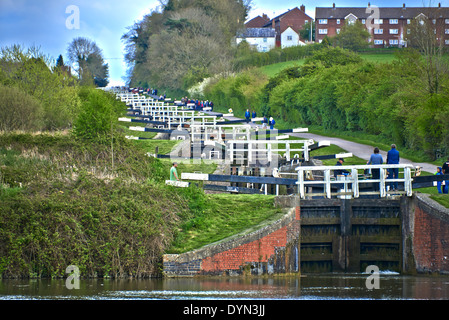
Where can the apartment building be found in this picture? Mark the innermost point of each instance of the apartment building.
(388, 26)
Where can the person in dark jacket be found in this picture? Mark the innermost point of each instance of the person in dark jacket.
(445, 169)
(340, 172)
(393, 158)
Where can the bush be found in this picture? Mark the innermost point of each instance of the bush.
(97, 119)
(19, 110)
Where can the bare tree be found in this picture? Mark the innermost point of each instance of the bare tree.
(426, 34)
(88, 59)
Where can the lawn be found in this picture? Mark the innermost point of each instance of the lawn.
(225, 215)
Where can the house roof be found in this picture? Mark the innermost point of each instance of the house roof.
(283, 14)
(257, 22)
(384, 12)
(256, 33)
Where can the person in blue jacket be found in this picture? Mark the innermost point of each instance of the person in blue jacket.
(247, 115)
(393, 158)
(272, 123)
(376, 158)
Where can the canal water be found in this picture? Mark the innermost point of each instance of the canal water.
(391, 286)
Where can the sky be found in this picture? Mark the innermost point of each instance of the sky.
(52, 24)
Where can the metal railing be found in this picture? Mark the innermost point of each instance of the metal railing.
(349, 185)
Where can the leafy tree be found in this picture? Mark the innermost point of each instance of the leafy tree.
(352, 36)
(305, 31)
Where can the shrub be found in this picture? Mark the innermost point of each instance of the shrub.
(19, 110)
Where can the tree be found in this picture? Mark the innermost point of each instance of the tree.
(352, 36)
(305, 32)
(426, 34)
(89, 62)
(185, 42)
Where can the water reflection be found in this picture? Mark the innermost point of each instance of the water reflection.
(314, 287)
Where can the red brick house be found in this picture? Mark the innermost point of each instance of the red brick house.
(388, 26)
(257, 22)
(287, 26)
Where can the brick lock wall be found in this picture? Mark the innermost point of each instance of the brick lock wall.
(255, 251)
(431, 240)
(269, 250)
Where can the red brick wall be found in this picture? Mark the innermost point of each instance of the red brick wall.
(256, 251)
(431, 242)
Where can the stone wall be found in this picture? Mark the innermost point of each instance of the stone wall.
(273, 248)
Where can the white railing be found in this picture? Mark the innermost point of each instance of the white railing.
(351, 183)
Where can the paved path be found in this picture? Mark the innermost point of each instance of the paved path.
(359, 150)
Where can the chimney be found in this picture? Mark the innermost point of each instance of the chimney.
(333, 5)
(369, 4)
(403, 6)
(265, 16)
(303, 8)
(439, 4)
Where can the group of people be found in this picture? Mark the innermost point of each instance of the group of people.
(265, 121)
(199, 104)
(443, 171)
(392, 158)
(393, 173)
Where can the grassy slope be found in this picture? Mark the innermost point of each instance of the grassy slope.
(108, 221)
(273, 69)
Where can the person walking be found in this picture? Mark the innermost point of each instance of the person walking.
(375, 159)
(393, 173)
(174, 172)
(439, 183)
(247, 115)
(445, 169)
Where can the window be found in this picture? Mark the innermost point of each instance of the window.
(378, 42)
(409, 21)
(394, 42)
(378, 31)
(446, 42)
(446, 31)
(338, 21)
(393, 21)
(394, 31)
(363, 21)
(264, 49)
(265, 39)
(338, 31)
(446, 21)
(434, 21)
(322, 21)
(378, 21)
(289, 38)
(408, 31)
(322, 31)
